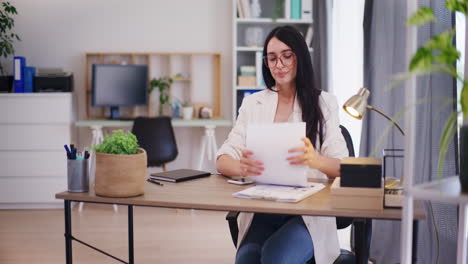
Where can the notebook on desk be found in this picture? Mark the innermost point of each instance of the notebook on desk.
(179, 175)
(279, 193)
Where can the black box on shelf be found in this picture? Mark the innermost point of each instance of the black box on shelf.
(361, 172)
(53, 83)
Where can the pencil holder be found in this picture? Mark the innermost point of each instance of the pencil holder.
(78, 175)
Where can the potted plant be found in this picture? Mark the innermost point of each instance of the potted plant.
(7, 37)
(440, 55)
(120, 166)
(163, 84)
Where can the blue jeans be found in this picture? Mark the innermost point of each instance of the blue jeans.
(276, 239)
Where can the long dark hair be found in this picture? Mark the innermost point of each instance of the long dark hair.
(307, 90)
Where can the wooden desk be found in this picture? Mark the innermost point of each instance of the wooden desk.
(214, 193)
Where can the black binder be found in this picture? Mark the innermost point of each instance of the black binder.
(179, 175)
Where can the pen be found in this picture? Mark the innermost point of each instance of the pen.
(155, 182)
(68, 151)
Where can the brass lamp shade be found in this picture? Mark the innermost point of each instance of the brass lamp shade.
(357, 104)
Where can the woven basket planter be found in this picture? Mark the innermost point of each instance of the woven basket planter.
(120, 175)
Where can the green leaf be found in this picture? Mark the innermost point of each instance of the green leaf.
(464, 100)
(119, 143)
(449, 130)
(422, 60)
(422, 16)
(457, 5)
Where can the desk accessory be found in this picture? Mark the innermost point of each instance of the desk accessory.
(179, 175)
(78, 175)
(120, 166)
(154, 181)
(359, 198)
(357, 105)
(279, 193)
(361, 172)
(393, 188)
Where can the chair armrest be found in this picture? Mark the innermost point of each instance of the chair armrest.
(231, 217)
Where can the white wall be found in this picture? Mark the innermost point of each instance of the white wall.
(57, 33)
(347, 59)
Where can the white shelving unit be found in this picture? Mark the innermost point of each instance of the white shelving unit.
(250, 55)
(34, 128)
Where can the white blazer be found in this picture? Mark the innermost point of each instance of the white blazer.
(261, 108)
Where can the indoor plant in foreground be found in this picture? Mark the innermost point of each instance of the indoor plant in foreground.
(7, 37)
(439, 54)
(120, 166)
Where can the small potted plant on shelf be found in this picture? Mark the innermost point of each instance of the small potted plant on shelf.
(7, 38)
(163, 84)
(439, 54)
(120, 166)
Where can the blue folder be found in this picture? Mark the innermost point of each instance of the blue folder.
(18, 73)
(29, 73)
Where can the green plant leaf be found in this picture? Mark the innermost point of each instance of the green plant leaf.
(422, 60)
(449, 130)
(457, 5)
(464, 100)
(119, 143)
(422, 16)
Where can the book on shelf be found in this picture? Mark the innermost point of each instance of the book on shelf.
(258, 65)
(287, 9)
(279, 193)
(246, 8)
(306, 10)
(296, 9)
(247, 70)
(240, 10)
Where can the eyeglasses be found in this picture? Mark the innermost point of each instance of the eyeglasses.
(286, 58)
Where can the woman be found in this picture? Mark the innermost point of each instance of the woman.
(291, 97)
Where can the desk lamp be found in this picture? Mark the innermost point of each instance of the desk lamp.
(355, 107)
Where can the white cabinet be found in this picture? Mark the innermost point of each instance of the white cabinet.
(248, 38)
(33, 128)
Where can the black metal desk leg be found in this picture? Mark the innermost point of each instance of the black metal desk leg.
(362, 236)
(415, 242)
(130, 234)
(68, 233)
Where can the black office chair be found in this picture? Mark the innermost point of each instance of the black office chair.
(156, 136)
(345, 257)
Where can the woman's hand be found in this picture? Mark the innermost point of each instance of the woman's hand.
(249, 166)
(308, 156)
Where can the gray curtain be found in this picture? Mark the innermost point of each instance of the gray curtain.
(384, 42)
(320, 58)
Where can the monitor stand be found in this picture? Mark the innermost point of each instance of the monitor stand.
(115, 114)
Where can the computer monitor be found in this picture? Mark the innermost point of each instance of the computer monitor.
(119, 85)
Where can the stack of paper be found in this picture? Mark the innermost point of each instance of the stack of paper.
(279, 193)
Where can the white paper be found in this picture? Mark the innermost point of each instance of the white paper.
(270, 144)
(279, 193)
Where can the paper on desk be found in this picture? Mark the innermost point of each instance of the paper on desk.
(279, 193)
(270, 144)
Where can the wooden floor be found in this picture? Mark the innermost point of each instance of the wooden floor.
(161, 235)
